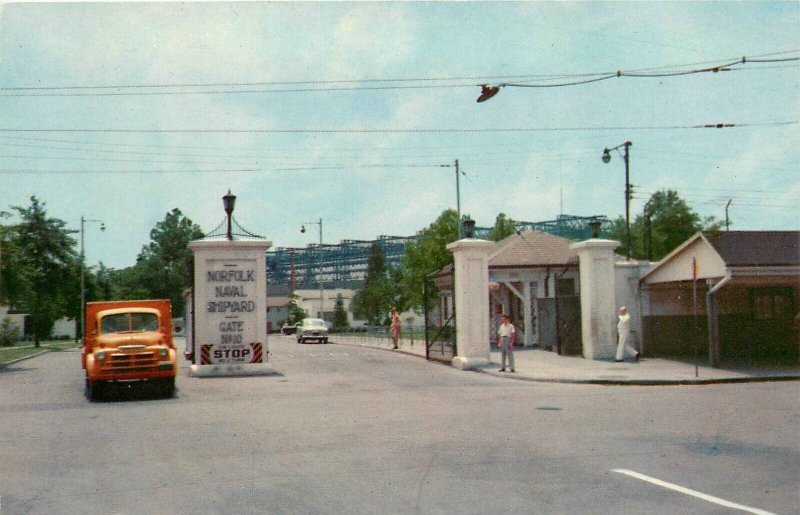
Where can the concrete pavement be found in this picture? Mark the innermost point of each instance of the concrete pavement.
(533, 364)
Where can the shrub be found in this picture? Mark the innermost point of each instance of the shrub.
(9, 333)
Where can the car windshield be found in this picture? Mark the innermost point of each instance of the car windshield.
(126, 322)
(315, 322)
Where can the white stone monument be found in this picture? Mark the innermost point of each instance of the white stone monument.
(471, 290)
(230, 305)
(598, 304)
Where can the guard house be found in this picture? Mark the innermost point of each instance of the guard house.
(527, 273)
(731, 296)
(533, 277)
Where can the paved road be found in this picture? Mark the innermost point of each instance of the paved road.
(356, 430)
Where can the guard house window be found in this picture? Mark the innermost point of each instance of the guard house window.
(565, 287)
(773, 303)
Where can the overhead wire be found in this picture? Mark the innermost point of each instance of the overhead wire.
(567, 79)
(403, 130)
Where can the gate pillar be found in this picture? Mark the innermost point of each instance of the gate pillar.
(230, 308)
(471, 294)
(598, 304)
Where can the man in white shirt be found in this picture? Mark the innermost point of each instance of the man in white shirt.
(506, 336)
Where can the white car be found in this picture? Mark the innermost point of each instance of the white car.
(312, 329)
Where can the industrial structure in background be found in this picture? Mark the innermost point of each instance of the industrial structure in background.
(344, 265)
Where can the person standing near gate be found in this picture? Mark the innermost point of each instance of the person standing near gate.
(394, 327)
(506, 336)
(624, 331)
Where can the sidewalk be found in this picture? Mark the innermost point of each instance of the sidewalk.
(533, 364)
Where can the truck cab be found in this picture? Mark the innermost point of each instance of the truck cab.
(129, 341)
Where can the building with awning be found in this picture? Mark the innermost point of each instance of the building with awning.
(730, 296)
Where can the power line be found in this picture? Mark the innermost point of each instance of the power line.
(567, 79)
(408, 130)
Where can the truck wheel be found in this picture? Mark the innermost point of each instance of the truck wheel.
(325, 341)
(167, 387)
(96, 390)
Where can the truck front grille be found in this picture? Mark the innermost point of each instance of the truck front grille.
(133, 362)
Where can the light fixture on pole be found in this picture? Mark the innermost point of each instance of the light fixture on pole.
(229, 201)
(84, 221)
(606, 158)
(319, 279)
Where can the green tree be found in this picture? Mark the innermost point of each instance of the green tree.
(503, 227)
(296, 315)
(373, 301)
(426, 255)
(671, 222)
(165, 266)
(46, 268)
(340, 321)
(6, 252)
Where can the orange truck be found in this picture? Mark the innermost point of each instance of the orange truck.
(129, 340)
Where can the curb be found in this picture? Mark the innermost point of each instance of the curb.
(13, 361)
(604, 382)
(643, 382)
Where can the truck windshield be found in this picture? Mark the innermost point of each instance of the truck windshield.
(126, 322)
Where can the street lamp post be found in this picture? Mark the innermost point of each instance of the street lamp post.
(321, 288)
(84, 221)
(606, 159)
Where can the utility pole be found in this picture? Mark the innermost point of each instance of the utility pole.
(458, 203)
(628, 189)
(727, 223)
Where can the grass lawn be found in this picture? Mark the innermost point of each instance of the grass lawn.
(8, 354)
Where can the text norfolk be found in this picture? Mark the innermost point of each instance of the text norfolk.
(227, 276)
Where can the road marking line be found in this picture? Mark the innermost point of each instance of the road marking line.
(694, 493)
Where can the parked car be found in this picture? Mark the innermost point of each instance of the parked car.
(312, 329)
(288, 329)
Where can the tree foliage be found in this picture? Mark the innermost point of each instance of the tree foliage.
(45, 283)
(426, 255)
(671, 222)
(295, 313)
(503, 227)
(373, 301)
(340, 321)
(163, 268)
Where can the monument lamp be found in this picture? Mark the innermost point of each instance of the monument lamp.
(594, 227)
(229, 201)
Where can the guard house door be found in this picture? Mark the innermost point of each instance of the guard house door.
(560, 324)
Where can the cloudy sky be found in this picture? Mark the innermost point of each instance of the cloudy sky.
(354, 112)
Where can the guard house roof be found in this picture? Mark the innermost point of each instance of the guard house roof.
(527, 249)
(530, 249)
(715, 254)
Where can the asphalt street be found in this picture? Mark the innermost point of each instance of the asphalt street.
(344, 429)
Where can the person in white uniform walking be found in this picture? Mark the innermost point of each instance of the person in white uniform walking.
(624, 331)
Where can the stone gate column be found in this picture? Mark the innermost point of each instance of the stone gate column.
(230, 307)
(598, 303)
(471, 294)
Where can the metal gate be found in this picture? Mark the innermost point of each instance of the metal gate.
(440, 324)
(560, 324)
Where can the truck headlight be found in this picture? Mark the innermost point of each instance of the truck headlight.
(101, 355)
(163, 352)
